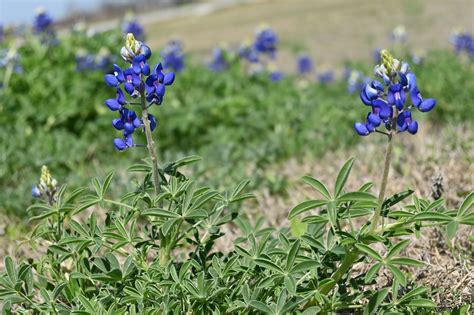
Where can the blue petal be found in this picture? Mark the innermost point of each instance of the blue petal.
(118, 123)
(119, 144)
(112, 104)
(129, 88)
(35, 192)
(111, 80)
(413, 127)
(364, 98)
(427, 105)
(361, 129)
(129, 128)
(169, 78)
(374, 119)
(120, 97)
(160, 89)
(377, 85)
(415, 96)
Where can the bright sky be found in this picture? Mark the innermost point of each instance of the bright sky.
(23, 11)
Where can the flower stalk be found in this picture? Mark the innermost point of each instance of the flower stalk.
(150, 143)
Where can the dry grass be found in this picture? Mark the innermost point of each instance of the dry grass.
(331, 30)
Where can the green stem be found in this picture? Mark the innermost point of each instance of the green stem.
(150, 142)
(383, 185)
(346, 264)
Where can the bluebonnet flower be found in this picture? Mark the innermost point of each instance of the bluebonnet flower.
(173, 57)
(218, 62)
(47, 187)
(276, 75)
(132, 26)
(325, 77)
(116, 103)
(84, 61)
(388, 100)
(138, 79)
(42, 21)
(248, 52)
(266, 41)
(103, 59)
(356, 80)
(155, 84)
(304, 64)
(463, 42)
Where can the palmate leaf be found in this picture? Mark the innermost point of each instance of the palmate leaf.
(397, 248)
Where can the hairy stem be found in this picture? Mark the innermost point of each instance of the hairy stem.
(150, 142)
(383, 185)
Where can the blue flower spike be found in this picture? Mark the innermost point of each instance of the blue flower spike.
(390, 108)
(137, 80)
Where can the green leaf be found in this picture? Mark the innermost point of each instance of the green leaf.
(237, 190)
(268, 264)
(466, 205)
(467, 219)
(290, 284)
(451, 229)
(197, 214)
(312, 310)
(161, 213)
(185, 161)
(357, 196)
(398, 274)
(305, 206)
(393, 200)
(11, 270)
(432, 216)
(261, 307)
(406, 261)
(168, 225)
(298, 228)
(397, 248)
(411, 294)
(201, 200)
(375, 301)
(107, 181)
(318, 185)
(313, 219)
(140, 168)
(290, 260)
(43, 215)
(311, 241)
(369, 276)
(369, 251)
(422, 303)
(326, 283)
(305, 265)
(342, 177)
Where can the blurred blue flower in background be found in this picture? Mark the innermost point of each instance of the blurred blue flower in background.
(325, 77)
(463, 41)
(266, 41)
(132, 26)
(173, 57)
(304, 64)
(218, 62)
(42, 21)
